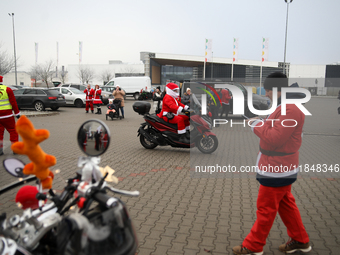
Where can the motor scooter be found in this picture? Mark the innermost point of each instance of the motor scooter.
(157, 132)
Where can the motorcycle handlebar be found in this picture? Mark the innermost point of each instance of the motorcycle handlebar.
(105, 199)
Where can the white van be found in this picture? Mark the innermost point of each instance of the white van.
(132, 85)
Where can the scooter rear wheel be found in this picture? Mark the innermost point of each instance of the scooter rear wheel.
(146, 143)
(207, 144)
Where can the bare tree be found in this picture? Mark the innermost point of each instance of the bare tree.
(106, 76)
(44, 72)
(129, 70)
(63, 75)
(6, 62)
(34, 74)
(85, 74)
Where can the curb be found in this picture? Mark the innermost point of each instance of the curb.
(30, 114)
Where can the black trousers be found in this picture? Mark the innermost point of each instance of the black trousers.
(225, 109)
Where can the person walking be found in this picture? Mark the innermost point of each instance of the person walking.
(89, 98)
(277, 168)
(8, 104)
(96, 100)
(118, 93)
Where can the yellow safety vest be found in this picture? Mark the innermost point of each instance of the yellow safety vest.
(4, 100)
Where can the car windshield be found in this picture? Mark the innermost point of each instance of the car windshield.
(76, 91)
(111, 83)
(108, 89)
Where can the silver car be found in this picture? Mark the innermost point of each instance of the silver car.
(72, 96)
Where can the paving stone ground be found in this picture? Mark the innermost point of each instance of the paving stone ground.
(180, 211)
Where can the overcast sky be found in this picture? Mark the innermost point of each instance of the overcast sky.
(120, 30)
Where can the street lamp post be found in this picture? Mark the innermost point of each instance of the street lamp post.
(284, 60)
(15, 56)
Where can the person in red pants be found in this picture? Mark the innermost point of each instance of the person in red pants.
(96, 100)
(8, 104)
(172, 106)
(277, 168)
(89, 98)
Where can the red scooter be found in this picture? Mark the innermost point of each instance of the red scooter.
(156, 131)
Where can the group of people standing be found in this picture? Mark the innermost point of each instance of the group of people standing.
(93, 98)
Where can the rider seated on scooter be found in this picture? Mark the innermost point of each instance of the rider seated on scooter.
(171, 109)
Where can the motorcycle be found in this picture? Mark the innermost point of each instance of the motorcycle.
(157, 132)
(83, 219)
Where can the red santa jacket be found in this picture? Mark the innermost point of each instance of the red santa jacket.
(9, 112)
(170, 104)
(89, 94)
(225, 96)
(97, 94)
(279, 134)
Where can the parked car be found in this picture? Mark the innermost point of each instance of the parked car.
(81, 87)
(39, 99)
(110, 89)
(104, 97)
(12, 87)
(72, 96)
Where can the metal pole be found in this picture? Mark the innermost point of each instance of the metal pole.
(232, 71)
(212, 64)
(284, 60)
(15, 56)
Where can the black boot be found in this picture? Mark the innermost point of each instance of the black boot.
(97, 111)
(183, 139)
(92, 111)
(100, 110)
(87, 111)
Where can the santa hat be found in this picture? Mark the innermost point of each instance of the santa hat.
(172, 86)
(170, 90)
(1, 78)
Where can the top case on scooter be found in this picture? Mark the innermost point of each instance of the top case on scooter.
(141, 107)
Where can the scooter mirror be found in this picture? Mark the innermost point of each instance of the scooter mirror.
(14, 167)
(93, 137)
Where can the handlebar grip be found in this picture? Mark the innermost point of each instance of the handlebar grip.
(104, 199)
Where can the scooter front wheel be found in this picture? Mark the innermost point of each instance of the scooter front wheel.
(207, 144)
(146, 143)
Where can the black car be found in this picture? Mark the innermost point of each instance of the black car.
(39, 99)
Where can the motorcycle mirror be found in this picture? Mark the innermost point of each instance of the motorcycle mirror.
(14, 167)
(93, 137)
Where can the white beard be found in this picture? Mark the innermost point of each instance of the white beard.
(172, 93)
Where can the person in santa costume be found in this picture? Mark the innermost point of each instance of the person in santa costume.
(97, 101)
(8, 104)
(172, 105)
(277, 168)
(89, 98)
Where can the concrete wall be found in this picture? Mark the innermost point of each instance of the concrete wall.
(308, 75)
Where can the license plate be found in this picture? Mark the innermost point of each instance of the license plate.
(60, 98)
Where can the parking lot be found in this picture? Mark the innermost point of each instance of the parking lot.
(182, 212)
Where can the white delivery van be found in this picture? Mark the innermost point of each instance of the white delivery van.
(132, 85)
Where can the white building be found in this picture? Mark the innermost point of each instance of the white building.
(23, 79)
